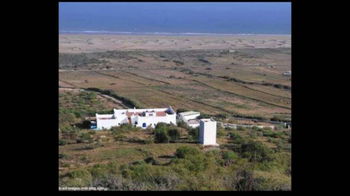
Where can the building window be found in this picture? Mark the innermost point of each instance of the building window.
(143, 124)
(135, 122)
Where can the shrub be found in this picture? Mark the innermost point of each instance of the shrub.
(186, 151)
(269, 133)
(229, 158)
(229, 155)
(194, 133)
(221, 133)
(79, 178)
(257, 128)
(151, 177)
(182, 124)
(62, 156)
(62, 142)
(174, 134)
(253, 133)
(256, 151)
(103, 170)
(259, 133)
(245, 181)
(161, 136)
(190, 161)
(161, 126)
(118, 183)
(282, 146)
(236, 138)
(84, 125)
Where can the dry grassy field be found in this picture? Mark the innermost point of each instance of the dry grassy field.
(241, 80)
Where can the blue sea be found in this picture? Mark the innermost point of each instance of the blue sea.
(175, 18)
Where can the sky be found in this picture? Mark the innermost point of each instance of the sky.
(231, 18)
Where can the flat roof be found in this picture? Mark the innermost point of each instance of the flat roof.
(207, 120)
(189, 113)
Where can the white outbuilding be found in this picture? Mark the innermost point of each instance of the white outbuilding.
(207, 132)
(189, 118)
(185, 116)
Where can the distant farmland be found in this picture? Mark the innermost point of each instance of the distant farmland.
(247, 82)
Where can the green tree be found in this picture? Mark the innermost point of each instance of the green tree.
(194, 133)
(161, 136)
(174, 134)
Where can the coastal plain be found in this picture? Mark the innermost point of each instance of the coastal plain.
(240, 75)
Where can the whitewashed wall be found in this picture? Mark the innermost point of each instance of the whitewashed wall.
(105, 123)
(151, 120)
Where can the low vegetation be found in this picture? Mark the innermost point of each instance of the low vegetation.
(78, 60)
(167, 158)
(190, 168)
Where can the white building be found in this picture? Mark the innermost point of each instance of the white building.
(207, 132)
(105, 121)
(190, 118)
(139, 117)
(185, 116)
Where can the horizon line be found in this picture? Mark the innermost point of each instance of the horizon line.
(103, 32)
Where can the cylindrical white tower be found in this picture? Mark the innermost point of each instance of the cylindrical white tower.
(207, 132)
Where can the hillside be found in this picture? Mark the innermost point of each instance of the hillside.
(221, 77)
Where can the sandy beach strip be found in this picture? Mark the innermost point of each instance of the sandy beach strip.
(77, 43)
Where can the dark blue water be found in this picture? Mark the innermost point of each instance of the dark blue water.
(162, 18)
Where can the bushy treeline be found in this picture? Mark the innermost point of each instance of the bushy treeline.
(126, 101)
(78, 60)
